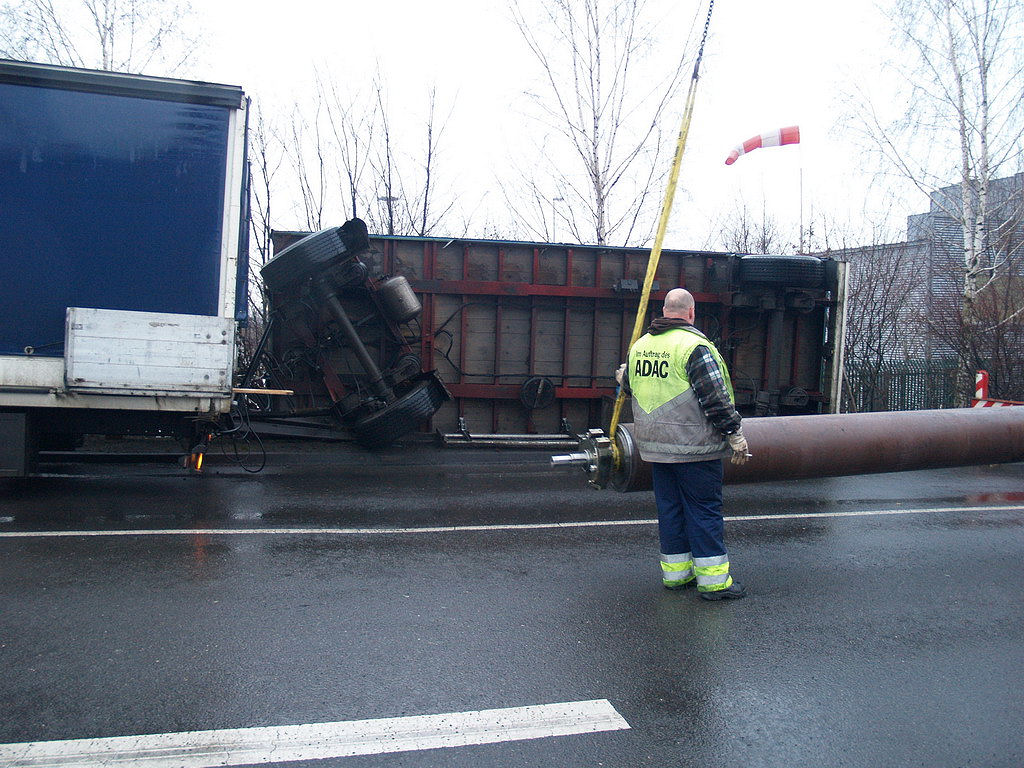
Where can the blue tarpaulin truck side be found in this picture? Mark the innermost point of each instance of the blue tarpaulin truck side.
(123, 269)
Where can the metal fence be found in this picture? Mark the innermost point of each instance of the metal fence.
(905, 385)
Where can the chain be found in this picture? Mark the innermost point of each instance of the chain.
(703, 40)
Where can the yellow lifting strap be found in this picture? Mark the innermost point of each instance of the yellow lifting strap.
(666, 209)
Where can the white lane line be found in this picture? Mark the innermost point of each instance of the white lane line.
(870, 512)
(317, 741)
(472, 528)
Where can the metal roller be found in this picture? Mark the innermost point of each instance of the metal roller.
(795, 447)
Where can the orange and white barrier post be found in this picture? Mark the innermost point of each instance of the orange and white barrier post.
(981, 385)
(981, 398)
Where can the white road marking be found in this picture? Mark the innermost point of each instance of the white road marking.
(870, 512)
(317, 741)
(472, 528)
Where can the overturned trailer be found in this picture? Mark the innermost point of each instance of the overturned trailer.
(525, 336)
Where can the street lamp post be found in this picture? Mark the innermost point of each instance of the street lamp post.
(389, 199)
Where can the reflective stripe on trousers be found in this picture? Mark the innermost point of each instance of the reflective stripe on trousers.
(712, 573)
(676, 570)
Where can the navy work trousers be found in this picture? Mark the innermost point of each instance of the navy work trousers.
(689, 499)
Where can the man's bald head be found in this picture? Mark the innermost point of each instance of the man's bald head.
(679, 303)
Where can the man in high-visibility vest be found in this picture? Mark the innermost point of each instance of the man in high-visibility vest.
(685, 423)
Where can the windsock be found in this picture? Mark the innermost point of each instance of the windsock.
(790, 135)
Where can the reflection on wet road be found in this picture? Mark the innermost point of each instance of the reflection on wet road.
(883, 626)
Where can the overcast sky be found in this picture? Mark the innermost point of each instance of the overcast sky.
(767, 65)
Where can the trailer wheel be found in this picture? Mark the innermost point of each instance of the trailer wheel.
(419, 403)
(791, 271)
(537, 392)
(314, 254)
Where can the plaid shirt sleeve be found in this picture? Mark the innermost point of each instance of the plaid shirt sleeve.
(709, 385)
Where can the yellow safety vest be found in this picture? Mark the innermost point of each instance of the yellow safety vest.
(669, 423)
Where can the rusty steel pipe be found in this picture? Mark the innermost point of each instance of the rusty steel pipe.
(794, 447)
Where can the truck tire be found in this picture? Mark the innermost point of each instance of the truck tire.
(789, 271)
(314, 254)
(419, 403)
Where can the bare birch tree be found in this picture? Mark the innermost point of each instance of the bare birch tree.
(963, 123)
(138, 36)
(429, 211)
(390, 194)
(991, 335)
(348, 158)
(265, 161)
(606, 110)
(391, 182)
(354, 129)
(742, 231)
(308, 156)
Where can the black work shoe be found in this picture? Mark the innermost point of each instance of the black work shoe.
(733, 592)
(691, 583)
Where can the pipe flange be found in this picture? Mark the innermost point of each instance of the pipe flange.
(599, 447)
(594, 456)
(605, 464)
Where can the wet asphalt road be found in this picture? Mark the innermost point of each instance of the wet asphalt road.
(877, 639)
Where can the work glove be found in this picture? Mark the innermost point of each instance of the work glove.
(738, 443)
(619, 373)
